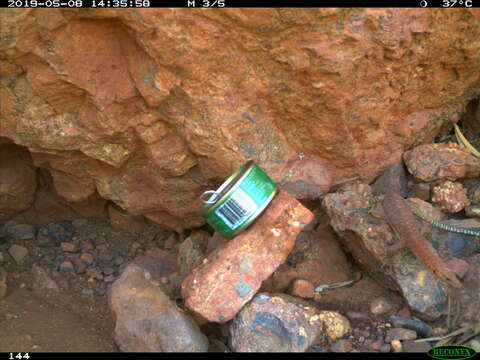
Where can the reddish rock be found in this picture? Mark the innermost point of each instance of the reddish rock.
(87, 258)
(216, 240)
(394, 178)
(459, 266)
(72, 188)
(354, 208)
(231, 275)
(450, 196)
(317, 257)
(431, 211)
(302, 288)
(420, 190)
(359, 220)
(17, 180)
(112, 96)
(275, 323)
(147, 320)
(441, 161)
(123, 220)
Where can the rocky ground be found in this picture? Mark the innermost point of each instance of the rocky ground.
(56, 278)
(118, 283)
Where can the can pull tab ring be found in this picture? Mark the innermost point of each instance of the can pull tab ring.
(212, 199)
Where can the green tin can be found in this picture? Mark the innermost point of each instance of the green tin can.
(239, 200)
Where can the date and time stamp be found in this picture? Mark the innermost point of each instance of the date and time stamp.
(108, 3)
(185, 3)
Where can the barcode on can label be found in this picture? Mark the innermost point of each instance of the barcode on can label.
(236, 209)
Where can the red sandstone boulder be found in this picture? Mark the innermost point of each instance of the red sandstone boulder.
(231, 275)
(441, 161)
(114, 99)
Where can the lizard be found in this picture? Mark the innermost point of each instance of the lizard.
(402, 221)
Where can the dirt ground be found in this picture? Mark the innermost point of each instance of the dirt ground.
(76, 318)
(72, 319)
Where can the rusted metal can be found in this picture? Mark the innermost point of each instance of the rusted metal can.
(239, 200)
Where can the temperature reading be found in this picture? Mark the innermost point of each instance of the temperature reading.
(452, 3)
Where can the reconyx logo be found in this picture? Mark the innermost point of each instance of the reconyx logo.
(456, 352)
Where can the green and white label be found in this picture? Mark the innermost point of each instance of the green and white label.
(238, 208)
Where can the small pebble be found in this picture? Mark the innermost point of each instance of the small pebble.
(472, 211)
(422, 329)
(118, 261)
(108, 271)
(66, 266)
(302, 288)
(87, 291)
(102, 247)
(44, 240)
(68, 247)
(396, 346)
(342, 345)
(404, 313)
(18, 253)
(109, 278)
(87, 258)
(380, 306)
(356, 316)
(94, 273)
(400, 334)
(80, 266)
(21, 232)
(86, 245)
